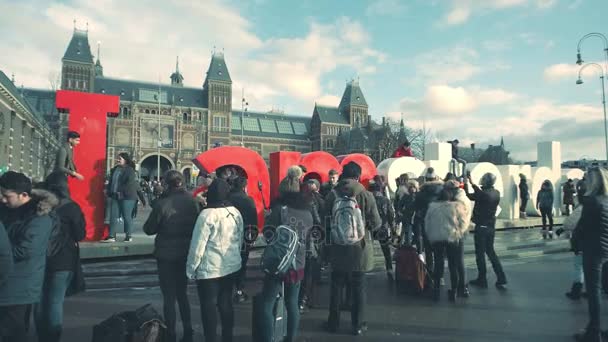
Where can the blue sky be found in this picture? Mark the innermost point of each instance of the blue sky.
(472, 69)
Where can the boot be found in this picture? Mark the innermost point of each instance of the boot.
(452, 295)
(464, 292)
(523, 215)
(575, 292)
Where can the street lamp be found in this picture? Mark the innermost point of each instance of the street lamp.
(159, 138)
(603, 74)
(579, 59)
(244, 105)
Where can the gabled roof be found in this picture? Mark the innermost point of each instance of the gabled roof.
(41, 100)
(79, 50)
(218, 71)
(330, 115)
(271, 125)
(143, 91)
(353, 96)
(16, 93)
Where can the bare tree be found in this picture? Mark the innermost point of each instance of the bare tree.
(55, 80)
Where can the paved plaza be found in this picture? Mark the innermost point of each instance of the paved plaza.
(533, 309)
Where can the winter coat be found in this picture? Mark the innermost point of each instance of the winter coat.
(401, 191)
(524, 192)
(28, 228)
(215, 250)
(73, 225)
(358, 257)
(385, 210)
(448, 220)
(64, 160)
(299, 212)
(172, 220)
(127, 183)
(402, 151)
(569, 191)
(486, 203)
(429, 192)
(544, 199)
(246, 206)
(326, 188)
(6, 257)
(592, 229)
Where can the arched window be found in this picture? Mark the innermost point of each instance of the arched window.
(147, 111)
(153, 111)
(186, 117)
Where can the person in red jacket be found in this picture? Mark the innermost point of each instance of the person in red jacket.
(404, 150)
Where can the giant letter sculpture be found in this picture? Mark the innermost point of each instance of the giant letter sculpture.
(88, 115)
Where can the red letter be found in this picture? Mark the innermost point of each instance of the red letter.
(279, 163)
(318, 165)
(88, 116)
(368, 167)
(252, 163)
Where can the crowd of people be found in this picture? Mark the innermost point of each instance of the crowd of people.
(207, 237)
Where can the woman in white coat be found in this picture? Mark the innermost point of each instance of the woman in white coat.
(215, 259)
(447, 222)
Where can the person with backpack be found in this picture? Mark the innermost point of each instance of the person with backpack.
(429, 192)
(486, 199)
(214, 259)
(447, 222)
(63, 260)
(26, 215)
(246, 206)
(383, 234)
(172, 220)
(544, 203)
(312, 271)
(354, 215)
(292, 210)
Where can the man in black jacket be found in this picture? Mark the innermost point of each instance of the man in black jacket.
(484, 216)
(64, 161)
(429, 192)
(246, 206)
(326, 188)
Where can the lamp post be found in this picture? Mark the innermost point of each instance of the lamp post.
(244, 105)
(159, 138)
(579, 59)
(603, 74)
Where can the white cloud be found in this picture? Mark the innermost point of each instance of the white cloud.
(449, 100)
(447, 65)
(141, 43)
(563, 71)
(462, 10)
(329, 100)
(385, 7)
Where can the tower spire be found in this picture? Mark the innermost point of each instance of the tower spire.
(177, 65)
(176, 77)
(98, 67)
(502, 142)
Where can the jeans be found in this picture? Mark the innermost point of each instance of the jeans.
(568, 208)
(312, 276)
(48, 314)
(592, 266)
(216, 295)
(270, 291)
(523, 205)
(124, 209)
(240, 279)
(484, 244)
(455, 255)
(579, 275)
(356, 281)
(174, 287)
(386, 251)
(547, 213)
(406, 232)
(13, 322)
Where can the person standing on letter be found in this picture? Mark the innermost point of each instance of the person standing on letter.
(64, 161)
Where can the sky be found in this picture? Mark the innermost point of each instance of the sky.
(476, 70)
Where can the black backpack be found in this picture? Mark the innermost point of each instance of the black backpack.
(58, 238)
(142, 325)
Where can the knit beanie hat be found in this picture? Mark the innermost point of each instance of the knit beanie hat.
(430, 174)
(291, 183)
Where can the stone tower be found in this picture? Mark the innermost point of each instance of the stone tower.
(218, 92)
(77, 67)
(354, 106)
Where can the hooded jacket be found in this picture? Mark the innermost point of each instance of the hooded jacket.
(172, 220)
(486, 200)
(358, 257)
(429, 192)
(448, 220)
(524, 192)
(544, 198)
(215, 250)
(569, 191)
(28, 228)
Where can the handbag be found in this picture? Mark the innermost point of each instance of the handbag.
(77, 284)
